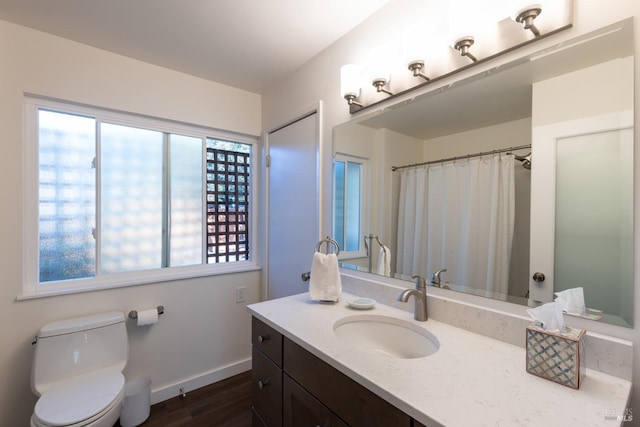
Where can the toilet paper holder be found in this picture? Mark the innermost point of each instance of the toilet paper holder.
(133, 314)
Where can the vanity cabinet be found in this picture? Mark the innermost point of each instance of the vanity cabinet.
(294, 388)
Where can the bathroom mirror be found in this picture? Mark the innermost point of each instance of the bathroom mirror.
(534, 110)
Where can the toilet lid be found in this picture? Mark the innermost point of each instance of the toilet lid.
(79, 398)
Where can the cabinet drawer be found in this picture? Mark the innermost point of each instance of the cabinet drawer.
(355, 404)
(267, 340)
(266, 389)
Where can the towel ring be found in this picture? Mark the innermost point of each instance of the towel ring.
(328, 241)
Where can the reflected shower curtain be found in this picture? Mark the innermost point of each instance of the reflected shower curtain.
(458, 216)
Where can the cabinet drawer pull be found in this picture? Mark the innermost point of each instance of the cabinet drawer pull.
(263, 338)
(263, 384)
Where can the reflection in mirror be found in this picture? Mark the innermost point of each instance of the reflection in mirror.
(594, 192)
(469, 200)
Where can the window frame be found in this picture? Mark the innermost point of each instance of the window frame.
(364, 203)
(32, 287)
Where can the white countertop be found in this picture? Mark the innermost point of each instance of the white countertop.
(471, 380)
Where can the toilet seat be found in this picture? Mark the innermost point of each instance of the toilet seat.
(81, 400)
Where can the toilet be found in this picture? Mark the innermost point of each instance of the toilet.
(77, 371)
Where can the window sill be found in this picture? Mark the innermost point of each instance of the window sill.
(122, 280)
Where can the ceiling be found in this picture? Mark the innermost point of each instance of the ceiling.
(248, 44)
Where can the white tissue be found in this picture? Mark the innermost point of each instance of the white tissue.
(550, 315)
(147, 317)
(571, 301)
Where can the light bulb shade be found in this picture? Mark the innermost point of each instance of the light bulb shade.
(475, 18)
(379, 62)
(413, 49)
(350, 75)
(380, 75)
(518, 6)
(463, 20)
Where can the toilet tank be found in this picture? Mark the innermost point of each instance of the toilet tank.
(72, 347)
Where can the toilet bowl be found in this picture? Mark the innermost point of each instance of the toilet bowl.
(77, 372)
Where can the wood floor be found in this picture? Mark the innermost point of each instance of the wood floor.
(224, 404)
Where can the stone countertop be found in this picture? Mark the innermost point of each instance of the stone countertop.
(472, 380)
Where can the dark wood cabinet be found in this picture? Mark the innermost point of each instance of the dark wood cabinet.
(350, 401)
(294, 388)
(301, 409)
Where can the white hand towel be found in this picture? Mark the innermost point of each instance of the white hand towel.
(324, 283)
(384, 261)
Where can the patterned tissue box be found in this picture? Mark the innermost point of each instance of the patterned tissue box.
(556, 357)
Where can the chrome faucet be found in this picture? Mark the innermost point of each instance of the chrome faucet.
(420, 296)
(435, 279)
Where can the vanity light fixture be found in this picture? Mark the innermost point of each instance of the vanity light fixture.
(526, 16)
(463, 44)
(490, 25)
(379, 83)
(414, 52)
(350, 83)
(379, 64)
(416, 69)
(466, 21)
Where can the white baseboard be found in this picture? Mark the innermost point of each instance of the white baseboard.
(167, 392)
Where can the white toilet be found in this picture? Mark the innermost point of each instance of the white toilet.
(77, 371)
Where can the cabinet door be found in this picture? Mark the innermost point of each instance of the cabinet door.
(352, 402)
(256, 420)
(266, 389)
(301, 409)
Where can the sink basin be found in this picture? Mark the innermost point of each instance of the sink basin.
(386, 335)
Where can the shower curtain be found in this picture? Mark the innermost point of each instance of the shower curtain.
(458, 216)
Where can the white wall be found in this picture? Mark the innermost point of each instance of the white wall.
(320, 80)
(203, 335)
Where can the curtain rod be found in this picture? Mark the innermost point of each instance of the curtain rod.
(467, 156)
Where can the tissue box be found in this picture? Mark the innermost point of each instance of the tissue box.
(556, 357)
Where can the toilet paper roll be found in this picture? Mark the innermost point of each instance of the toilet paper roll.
(147, 317)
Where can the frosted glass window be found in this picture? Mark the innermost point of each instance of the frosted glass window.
(339, 203)
(131, 164)
(67, 186)
(353, 211)
(186, 223)
(118, 194)
(594, 218)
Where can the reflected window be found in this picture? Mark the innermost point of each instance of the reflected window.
(349, 202)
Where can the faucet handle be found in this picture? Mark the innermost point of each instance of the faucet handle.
(421, 285)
